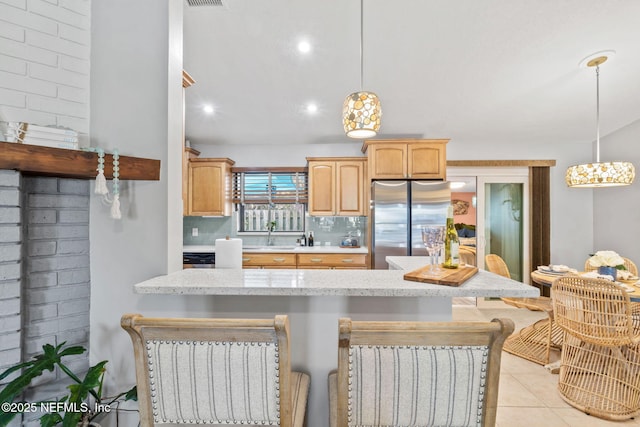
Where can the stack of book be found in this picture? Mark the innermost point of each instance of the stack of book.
(45, 136)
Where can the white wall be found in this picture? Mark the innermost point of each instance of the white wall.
(616, 211)
(133, 109)
(291, 154)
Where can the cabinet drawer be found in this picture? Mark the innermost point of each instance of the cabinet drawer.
(272, 259)
(332, 260)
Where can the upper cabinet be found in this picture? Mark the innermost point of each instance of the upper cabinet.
(209, 187)
(188, 152)
(337, 186)
(407, 158)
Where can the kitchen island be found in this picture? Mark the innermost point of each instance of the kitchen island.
(316, 299)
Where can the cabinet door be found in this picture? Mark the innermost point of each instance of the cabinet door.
(388, 161)
(426, 160)
(207, 189)
(341, 261)
(274, 260)
(322, 188)
(350, 188)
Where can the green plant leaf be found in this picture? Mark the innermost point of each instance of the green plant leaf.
(91, 381)
(50, 420)
(47, 360)
(132, 394)
(5, 417)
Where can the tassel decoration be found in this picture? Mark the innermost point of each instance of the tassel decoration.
(101, 181)
(115, 207)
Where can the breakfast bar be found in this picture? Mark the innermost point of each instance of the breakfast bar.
(314, 300)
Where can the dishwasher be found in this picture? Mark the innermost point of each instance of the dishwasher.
(198, 260)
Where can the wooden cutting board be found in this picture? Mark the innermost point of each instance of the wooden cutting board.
(447, 276)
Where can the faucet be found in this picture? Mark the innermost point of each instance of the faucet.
(271, 225)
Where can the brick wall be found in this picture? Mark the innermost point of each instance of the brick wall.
(44, 79)
(44, 62)
(10, 266)
(56, 279)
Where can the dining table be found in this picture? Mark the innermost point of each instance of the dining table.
(547, 278)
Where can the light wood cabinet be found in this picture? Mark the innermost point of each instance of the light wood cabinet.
(209, 187)
(332, 261)
(407, 158)
(187, 154)
(337, 186)
(271, 260)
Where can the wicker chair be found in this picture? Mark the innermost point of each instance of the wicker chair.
(536, 342)
(628, 264)
(417, 373)
(468, 255)
(600, 364)
(216, 372)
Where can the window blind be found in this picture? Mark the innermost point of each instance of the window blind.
(270, 187)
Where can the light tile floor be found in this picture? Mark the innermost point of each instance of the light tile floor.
(528, 395)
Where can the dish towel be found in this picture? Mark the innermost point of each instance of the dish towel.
(228, 253)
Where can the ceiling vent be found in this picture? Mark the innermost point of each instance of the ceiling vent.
(205, 3)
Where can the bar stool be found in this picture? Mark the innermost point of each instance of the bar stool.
(417, 373)
(216, 371)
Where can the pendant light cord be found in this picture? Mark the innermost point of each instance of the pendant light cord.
(597, 113)
(361, 45)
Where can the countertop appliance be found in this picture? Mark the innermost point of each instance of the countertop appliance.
(399, 209)
(198, 259)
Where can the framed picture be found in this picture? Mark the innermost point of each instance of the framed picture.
(460, 207)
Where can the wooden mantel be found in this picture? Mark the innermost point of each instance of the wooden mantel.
(63, 163)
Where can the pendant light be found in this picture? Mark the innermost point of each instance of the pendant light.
(606, 174)
(361, 112)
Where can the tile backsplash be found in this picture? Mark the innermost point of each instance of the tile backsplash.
(330, 229)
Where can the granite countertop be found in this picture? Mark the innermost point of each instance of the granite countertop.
(299, 282)
(281, 249)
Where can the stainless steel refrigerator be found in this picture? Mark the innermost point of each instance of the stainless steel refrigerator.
(399, 209)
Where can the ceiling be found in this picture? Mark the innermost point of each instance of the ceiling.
(469, 70)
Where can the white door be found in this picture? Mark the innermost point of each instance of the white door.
(502, 214)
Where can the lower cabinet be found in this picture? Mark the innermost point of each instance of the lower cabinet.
(335, 261)
(271, 260)
(306, 261)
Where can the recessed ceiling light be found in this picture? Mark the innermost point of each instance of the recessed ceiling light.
(208, 109)
(457, 184)
(312, 108)
(304, 46)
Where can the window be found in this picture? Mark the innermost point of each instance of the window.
(270, 197)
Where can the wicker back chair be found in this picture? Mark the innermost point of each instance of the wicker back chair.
(468, 255)
(600, 364)
(216, 371)
(628, 264)
(417, 373)
(537, 342)
(495, 264)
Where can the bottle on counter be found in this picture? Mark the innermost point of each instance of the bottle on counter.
(303, 240)
(451, 243)
(310, 241)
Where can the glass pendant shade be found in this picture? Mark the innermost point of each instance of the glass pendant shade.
(361, 115)
(606, 174)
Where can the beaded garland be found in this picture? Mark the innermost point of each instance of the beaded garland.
(101, 182)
